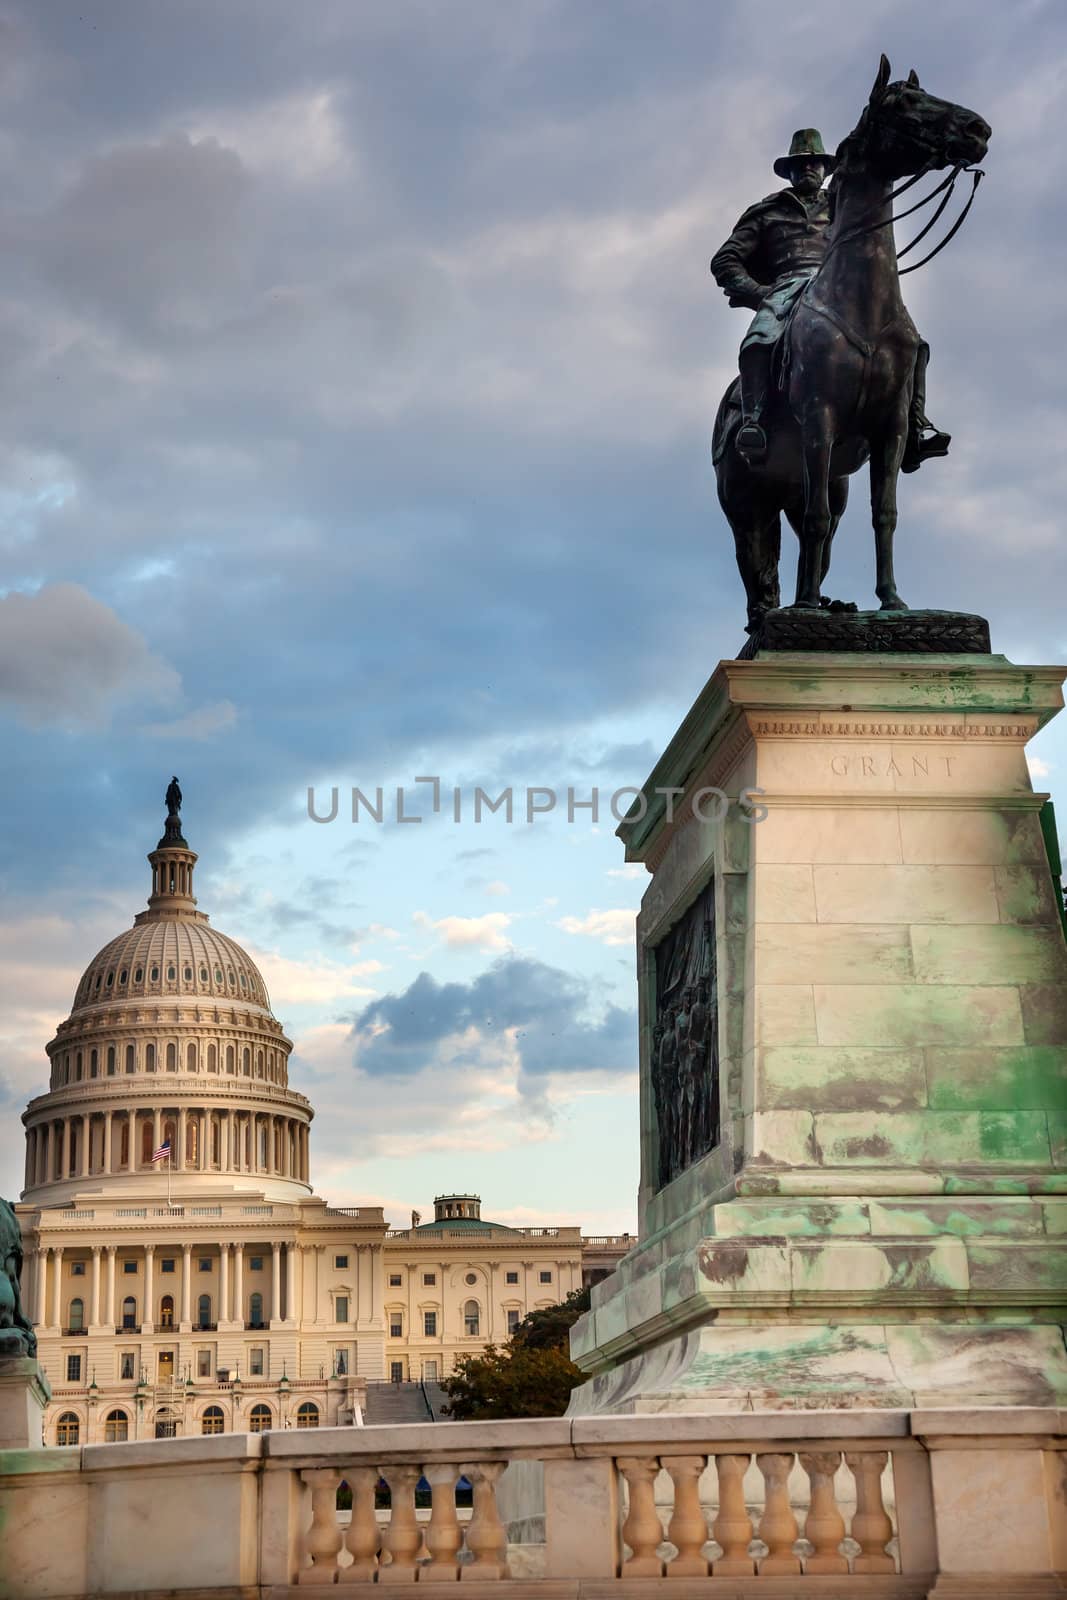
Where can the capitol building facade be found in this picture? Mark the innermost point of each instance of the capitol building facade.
(208, 1289)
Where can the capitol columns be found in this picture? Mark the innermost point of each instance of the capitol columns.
(187, 1288)
(276, 1282)
(57, 1286)
(84, 1152)
(40, 1309)
(149, 1317)
(224, 1283)
(94, 1296)
(239, 1282)
(291, 1308)
(179, 1165)
(107, 1153)
(109, 1307)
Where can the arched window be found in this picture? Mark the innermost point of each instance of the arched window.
(212, 1058)
(190, 1058)
(166, 1311)
(192, 1143)
(77, 1316)
(259, 1063)
(231, 1062)
(255, 1310)
(111, 1060)
(94, 1064)
(170, 1136)
(172, 1057)
(116, 1427)
(307, 1414)
(129, 1312)
(212, 1420)
(131, 1058)
(203, 1311)
(78, 1066)
(246, 1062)
(67, 1428)
(259, 1419)
(471, 1319)
(150, 1058)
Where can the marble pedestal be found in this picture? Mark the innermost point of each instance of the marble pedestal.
(882, 1219)
(24, 1393)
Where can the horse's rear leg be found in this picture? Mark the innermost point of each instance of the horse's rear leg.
(816, 527)
(886, 456)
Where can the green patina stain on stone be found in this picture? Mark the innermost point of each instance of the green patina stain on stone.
(1013, 1136)
(1007, 1078)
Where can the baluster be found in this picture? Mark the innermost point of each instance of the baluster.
(825, 1526)
(487, 1539)
(778, 1526)
(642, 1529)
(363, 1540)
(443, 1535)
(732, 1528)
(871, 1527)
(402, 1535)
(323, 1539)
(688, 1530)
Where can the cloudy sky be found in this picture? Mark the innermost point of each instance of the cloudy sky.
(357, 369)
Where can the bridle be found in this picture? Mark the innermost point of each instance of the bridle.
(945, 188)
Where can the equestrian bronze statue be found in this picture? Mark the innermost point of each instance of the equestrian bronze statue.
(833, 371)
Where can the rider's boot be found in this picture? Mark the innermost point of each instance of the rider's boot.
(755, 367)
(924, 440)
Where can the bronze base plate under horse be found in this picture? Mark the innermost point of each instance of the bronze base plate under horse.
(837, 628)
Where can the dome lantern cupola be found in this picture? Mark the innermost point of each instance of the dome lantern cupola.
(172, 864)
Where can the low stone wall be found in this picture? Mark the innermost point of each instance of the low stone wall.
(897, 1504)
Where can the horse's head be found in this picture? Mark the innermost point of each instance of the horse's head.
(904, 130)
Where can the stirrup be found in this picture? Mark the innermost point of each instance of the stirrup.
(922, 445)
(751, 442)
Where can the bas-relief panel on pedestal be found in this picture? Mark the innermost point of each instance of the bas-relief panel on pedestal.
(685, 1057)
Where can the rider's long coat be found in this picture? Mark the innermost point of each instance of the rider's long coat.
(774, 249)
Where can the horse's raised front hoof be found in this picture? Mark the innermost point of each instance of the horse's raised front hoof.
(893, 602)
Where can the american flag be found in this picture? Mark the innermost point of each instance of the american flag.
(163, 1152)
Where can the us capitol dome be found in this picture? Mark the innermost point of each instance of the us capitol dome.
(170, 1040)
(180, 1273)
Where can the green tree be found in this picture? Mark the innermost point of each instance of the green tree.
(532, 1376)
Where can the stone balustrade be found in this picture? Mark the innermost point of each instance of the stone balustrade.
(880, 1503)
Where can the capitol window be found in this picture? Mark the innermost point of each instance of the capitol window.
(511, 1277)
(514, 1318)
(255, 1263)
(471, 1319)
(129, 1266)
(67, 1429)
(429, 1279)
(255, 1362)
(116, 1427)
(167, 1264)
(74, 1369)
(396, 1325)
(307, 1414)
(545, 1277)
(340, 1261)
(212, 1420)
(77, 1269)
(259, 1420)
(395, 1280)
(203, 1363)
(429, 1324)
(126, 1364)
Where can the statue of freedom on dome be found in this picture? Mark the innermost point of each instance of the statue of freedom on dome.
(174, 798)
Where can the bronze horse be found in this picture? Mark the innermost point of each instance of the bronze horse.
(847, 359)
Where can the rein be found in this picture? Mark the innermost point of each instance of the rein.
(944, 188)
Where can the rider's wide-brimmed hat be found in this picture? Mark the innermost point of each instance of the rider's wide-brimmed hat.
(806, 142)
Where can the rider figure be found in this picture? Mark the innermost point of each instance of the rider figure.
(774, 250)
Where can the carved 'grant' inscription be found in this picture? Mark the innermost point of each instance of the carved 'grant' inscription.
(892, 766)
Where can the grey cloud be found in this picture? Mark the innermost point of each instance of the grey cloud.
(67, 658)
(549, 1009)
